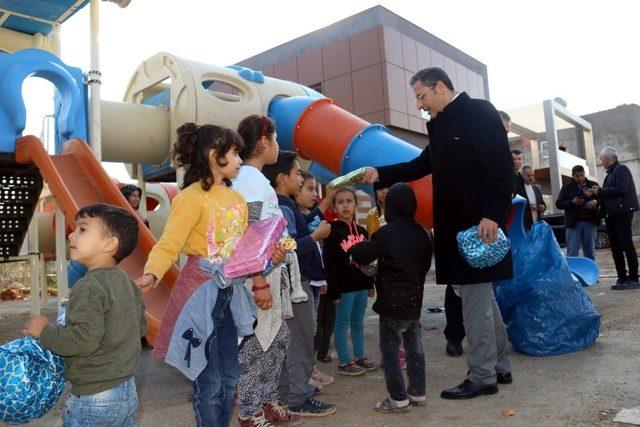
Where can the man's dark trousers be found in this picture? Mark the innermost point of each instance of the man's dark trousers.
(619, 229)
(454, 331)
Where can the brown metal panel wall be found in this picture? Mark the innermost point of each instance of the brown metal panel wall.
(268, 71)
(424, 56)
(310, 67)
(368, 91)
(340, 89)
(392, 45)
(437, 60)
(461, 76)
(377, 117)
(409, 54)
(287, 70)
(396, 88)
(365, 48)
(411, 98)
(450, 69)
(398, 119)
(336, 59)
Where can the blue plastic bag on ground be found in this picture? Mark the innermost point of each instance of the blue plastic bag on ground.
(545, 310)
(31, 380)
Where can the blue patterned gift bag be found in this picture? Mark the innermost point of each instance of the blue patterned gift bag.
(31, 380)
(479, 254)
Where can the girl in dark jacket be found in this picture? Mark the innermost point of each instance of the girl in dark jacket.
(348, 286)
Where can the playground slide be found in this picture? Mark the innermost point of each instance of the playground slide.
(76, 179)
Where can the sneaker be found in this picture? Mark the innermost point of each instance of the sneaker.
(389, 405)
(256, 420)
(351, 370)
(276, 412)
(417, 400)
(313, 408)
(366, 363)
(320, 377)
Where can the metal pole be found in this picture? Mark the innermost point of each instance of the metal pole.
(61, 256)
(552, 146)
(93, 79)
(34, 261)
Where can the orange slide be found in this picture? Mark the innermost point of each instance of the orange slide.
(77, 179)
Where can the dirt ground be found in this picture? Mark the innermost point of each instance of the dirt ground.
(579, 389)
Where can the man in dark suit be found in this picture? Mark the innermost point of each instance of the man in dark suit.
(472, 171)
(619, 201)
(533, 194)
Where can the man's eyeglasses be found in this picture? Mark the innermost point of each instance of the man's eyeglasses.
(423, 94)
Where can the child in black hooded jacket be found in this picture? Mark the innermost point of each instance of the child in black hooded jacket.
(403, 250)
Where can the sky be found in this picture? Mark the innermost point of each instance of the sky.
(582, 51)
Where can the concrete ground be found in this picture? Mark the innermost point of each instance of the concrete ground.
(579, 389)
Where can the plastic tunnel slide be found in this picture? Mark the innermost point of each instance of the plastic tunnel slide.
(340, 142)
(77, 179)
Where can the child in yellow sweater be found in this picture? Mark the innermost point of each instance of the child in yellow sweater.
(206, 312)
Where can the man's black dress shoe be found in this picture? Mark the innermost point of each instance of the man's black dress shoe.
(468, 390)
(504, 377)
(454, 348)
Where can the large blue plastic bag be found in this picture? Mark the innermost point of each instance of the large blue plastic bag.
(31, 380)
(546, 311)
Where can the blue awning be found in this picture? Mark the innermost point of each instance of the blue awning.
(37, 16)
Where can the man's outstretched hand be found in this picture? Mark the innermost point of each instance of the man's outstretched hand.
(370, 176)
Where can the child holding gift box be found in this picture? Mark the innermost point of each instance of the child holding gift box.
(206, 312)
(295, 390)
(261, 356)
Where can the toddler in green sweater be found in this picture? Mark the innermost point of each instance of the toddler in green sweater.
(104, 322)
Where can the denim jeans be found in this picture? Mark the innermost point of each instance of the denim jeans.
(583, 234)
(350, 315)
(114, 407)
(213, 389)
(394, 331)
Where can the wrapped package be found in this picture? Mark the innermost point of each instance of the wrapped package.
(479, 254)
(254, 249)
(31, 380)
(352, 177)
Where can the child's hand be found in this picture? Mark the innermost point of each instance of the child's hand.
(336, 301)
(35, 325)
(322, 232)
(278, 254)
(147, 282)
(323, 289)
(372, 293)
(329, 192)
(262, 299)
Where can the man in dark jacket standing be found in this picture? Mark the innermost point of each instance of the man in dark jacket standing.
(472, 171)
(619, 201)
(580, 214)
(403, 250)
